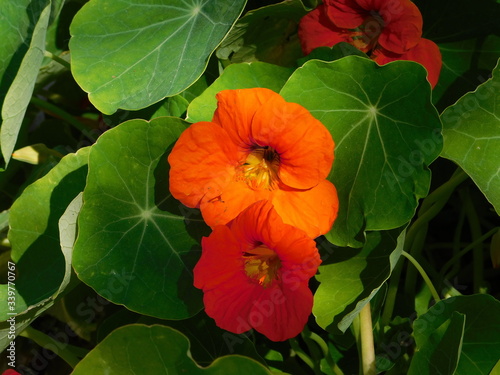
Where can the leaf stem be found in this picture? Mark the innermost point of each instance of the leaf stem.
(366, 337)
(302, 355)
(423, 274)
(392, 290)
(63, 350)
(57, 59)
(63, 115)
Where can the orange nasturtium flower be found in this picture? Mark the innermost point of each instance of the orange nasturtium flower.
(254, 273)
(386, 30)
(257, 146)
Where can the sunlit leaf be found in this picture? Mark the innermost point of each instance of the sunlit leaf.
(130, 54)
(136, 244)
(350, 278)
(19, 94)
(138, 349)
(386, 133)
(471, 136)
(237, 76)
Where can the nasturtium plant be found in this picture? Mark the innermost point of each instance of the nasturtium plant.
(226, 186)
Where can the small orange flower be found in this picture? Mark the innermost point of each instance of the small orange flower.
(257, 146)
(254, 273)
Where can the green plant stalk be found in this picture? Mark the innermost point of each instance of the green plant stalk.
(314, 348)
(57, 59)
(431, 206)
(475, 229)
(63, 115)
(65, 351)
(423, 274)
(367, 345)
(303, 356)
(311, 336)
(465, 250)
(392, 290)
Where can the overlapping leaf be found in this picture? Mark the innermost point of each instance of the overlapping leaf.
(137, 349)
(350, 279)
(130, 54)
(440, 329)
(471, 130)
(136, 244)
(237, 76)
(19, 93)
(386, 132)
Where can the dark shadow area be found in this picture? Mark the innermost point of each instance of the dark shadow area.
(41, 267)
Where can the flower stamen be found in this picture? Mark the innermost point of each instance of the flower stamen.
(260, 169)
(261, 265)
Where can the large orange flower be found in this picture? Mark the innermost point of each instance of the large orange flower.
(385, 30)
(254, 273)
(258, 146)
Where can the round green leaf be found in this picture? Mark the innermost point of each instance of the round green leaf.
(386, 133)
(480, 347)
(237, 76)
(349, 278)
(471, 130)
(130, 54)
(136, 244)
(140, 349)
(35, 237)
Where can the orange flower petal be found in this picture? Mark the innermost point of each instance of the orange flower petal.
(235, 111)
(303, 143)
(403, 23)
(426, 53)
(235, 198)
(201, 163)
(317, 30)
(237, 302)
(313, 211)
(345, 13)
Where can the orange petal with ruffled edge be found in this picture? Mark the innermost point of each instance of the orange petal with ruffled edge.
(403, 23)
(426, 53)
(316, 29)
(235, 198)
(304, 145)
(345, 13)
(313, 210)
(238, 303)
(202, 163)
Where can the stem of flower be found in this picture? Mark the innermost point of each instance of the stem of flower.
(63, 115)
(426, 278)
(367, 345)
(65, 351)
(57, 59)
(466, 249)
(431, 206)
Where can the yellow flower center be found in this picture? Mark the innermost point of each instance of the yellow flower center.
(260, 169)
(365, 37)
(262, 265)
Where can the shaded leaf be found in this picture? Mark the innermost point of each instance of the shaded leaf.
(386, 133)
(471, 136)
(439, 349)
(136, 244)
(19, 93)
(350, 278)
(130, 54)
(267, 34)
(138, 349)
(237, 76)
(481, 334)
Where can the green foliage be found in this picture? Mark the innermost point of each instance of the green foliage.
(97, 257)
